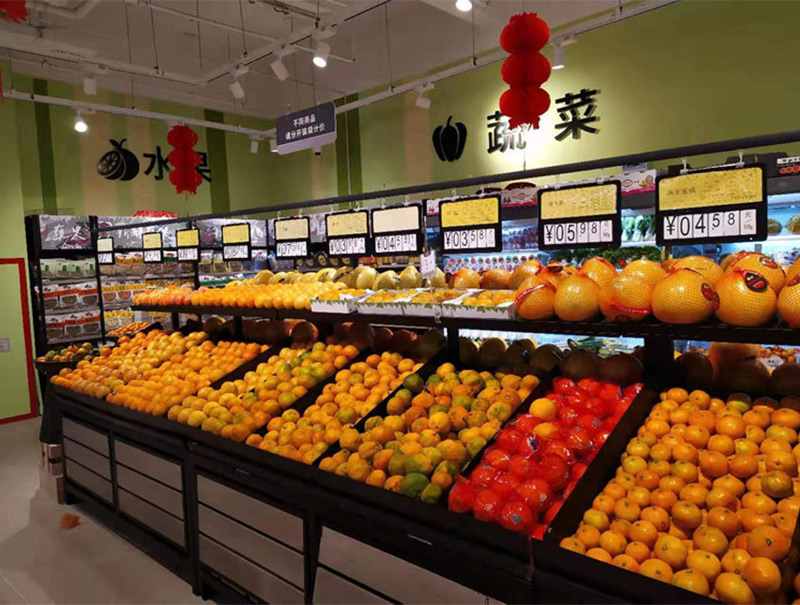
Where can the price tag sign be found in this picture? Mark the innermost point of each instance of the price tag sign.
(397, 230)
(348, 233)
(292, 237)
(427, 264)
(105, 250)
(152, 246)
(471, 225)
(236, 242)
(581, 216)
(717, 205)
(188, 242)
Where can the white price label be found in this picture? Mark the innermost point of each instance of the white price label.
(427, 264)
(236, 252)
(392, 244)
(347, 246)
(188, 254)
(772, 362)
(709, 225)
(469, 239)
(291, 249)
(152, 256)
(583, 232)
(105, 258)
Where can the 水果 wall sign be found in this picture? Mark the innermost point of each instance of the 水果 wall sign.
(152, 247)
(580, 216)
(471, 225)
(188, 243)
(105, 250)
(347, 232)
(292, 237)
(719, 205)
(236, 242)
(397, 230)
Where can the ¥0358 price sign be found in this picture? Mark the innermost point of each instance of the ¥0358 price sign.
(718, 205)
(348, 233)
(292, 238)
(471, 225)
(581, 216)
(236, 242)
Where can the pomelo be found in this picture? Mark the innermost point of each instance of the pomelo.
(704, 266)
(626, 299)
(762, 264)
(684, 297)
(599, 269)
(577, 298)
(646, 270)
(745, 298)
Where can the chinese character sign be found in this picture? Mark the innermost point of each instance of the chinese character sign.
(121, 164)
(501, 137)
(306, 129)
(577, 112)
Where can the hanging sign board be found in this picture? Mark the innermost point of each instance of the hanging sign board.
(581, 216)
(306, 129)
(292, 237)
(427, 264)
(718, 205)
(348, 233)
(236, 242)
(152, 246)
(188, 243)
(471, 225)
(105, 250)
(397, 230)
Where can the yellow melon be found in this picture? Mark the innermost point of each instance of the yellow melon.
(683, 297)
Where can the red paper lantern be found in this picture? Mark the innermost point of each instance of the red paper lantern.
(524, 104)
(525, 33)
(13, 10)
(531, 68)
(184, 159)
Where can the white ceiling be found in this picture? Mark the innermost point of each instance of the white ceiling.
(423, 35)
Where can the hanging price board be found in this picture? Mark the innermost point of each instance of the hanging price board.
(580, 216)
(105, 250)
(718, 205)
(236, 242)
(152, 246)
(292, 237)
(188, 242)
(471, 225)
(348, 233)
(397, 230)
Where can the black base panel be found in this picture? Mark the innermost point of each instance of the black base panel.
(213, 588)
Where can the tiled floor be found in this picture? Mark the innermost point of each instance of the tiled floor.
(39, 563)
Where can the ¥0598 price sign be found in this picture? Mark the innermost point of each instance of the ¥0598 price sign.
(397, 230)
(471, 225)
(719, 205)
(292, 237)
(347, 233)
(582, 216)
(236, 242)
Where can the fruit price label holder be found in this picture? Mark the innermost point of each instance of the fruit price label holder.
(292, 238)
(582, 216)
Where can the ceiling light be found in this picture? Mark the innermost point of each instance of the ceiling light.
(253, 145)
(90, 85)
(79, 124)
(273, 145)
(464, 5)
(237, 90)
(422, 101)
(557, 61)
(279, 69)
(321, 51)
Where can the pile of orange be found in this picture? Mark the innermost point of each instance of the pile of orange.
(355, 392)
(706, 497)
(239, 407)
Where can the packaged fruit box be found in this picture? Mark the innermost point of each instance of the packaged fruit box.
(483, 304)
(385, 302)
(704, 498)
(339, 301)
(428, 302)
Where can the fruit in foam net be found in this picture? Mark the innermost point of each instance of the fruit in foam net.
(577, 299)
(625, 298)
(683, 297)
(793, 270)
(555, 273)
(645, 270)
(535, 299)
(763, 265)
(599, 269)
(522, 272)
(698, 502)
(789, 302)
(704, 266)
(538, 457)
(745, 298)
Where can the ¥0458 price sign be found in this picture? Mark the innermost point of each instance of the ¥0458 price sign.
(582, 216)
(347, 233)
(397, 230)
(292, 237)
(105, 251)
(471, 225)
(236, 242)
(188, 242)
(719, 205)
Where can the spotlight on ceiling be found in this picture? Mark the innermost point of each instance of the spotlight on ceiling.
(237, 90)
(273, 145)
(254, 145)
(90, 85)
(321, 51)
(80, 124)
(557, 61)
(279, 69)
(422, 101)
(464, 5)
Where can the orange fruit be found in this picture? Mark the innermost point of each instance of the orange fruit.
(777, 484)
(745, 298)
(730, 483)
(724, 519)
(672, 483)
(638, 550)
(731, 426)
(612, 542)
(625, 299)
(626, 562)
(696, 435)
(763, 576)
(732, 588)
(769, 542)
(710, 539)
(589, 535)
(554, 273)
(762, 264)
(785, 523)
(599, 554)
(596, 518)
(759, 502)
(735, 560)
(706, 267)
(657, 516)
(572, 543)
(671, 550)
(577, 298)
(713, 464)
(685, 452)
(750, 519)
(705, 563)
(686, 515)
(683, 297)
(722, 444)
(787, 417)
(743, 466)
(639, 495)
(694, 493)
(604, 503)
(621, 526)
(644, 532)
(656, 569)
(664, 499)
(790, 506)
(783, 461)
(615, 490)
(688, 579)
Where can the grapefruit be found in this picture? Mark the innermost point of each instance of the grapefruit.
(599, 269)
(762, 264)
(496, 279)
(535, 299)
(793, 270)
(789, 302)
(523, 271)
(577, 298)
(645, 270)
(704, 266)
(555, 273)
(683, 297)
(745, 298)
(733, 256)
(625, 298)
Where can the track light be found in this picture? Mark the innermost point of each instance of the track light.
(464, 5)
(422, 101)
(273, 145)
(279, 69)
(321, 51)
(90, 85)
(254, 145)
(237, 90)
(79, 124)
(558, 57)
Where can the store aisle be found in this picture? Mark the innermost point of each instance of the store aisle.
(39, 563)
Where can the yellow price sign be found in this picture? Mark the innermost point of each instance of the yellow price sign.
(187, 238)
(151, 241)
(475, 211)
(291, 229)
(236, 234)
(347, 223)
(579, 202)
(723, 187)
